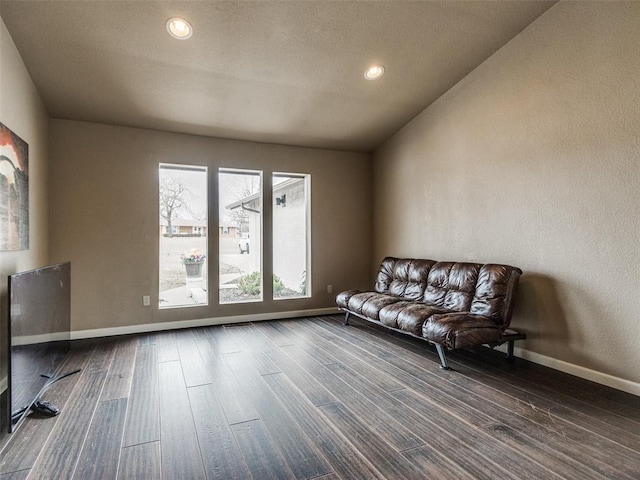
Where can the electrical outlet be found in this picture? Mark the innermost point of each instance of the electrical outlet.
(146, 301)
(329, 288)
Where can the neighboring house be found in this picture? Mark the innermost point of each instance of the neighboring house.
(228, 230)
(289, 210)
(184, 227)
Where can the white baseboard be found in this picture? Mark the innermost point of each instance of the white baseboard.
(572, 369)
(37, 339)
(200, 322)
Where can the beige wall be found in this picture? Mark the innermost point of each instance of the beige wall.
(22, 111)
(104, 189)
(534, 160)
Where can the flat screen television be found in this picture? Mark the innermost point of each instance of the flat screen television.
(39, 337)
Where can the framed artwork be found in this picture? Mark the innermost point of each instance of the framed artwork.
(14, 191)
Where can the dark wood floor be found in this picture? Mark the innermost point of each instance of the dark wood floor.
(310, 398)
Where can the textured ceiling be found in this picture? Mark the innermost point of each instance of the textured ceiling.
(279, 72)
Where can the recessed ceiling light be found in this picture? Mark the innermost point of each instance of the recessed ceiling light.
(373, 73)
(179, 28)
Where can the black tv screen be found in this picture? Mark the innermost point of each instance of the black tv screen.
(39, 334)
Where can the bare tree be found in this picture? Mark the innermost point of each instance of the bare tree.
(172, 199)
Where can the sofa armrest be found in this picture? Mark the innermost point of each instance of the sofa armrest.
(342, 299)
(460, 330)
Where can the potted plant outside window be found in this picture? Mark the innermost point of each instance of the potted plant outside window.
(193, 261)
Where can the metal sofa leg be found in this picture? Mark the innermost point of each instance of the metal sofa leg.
(510, 350)
(346, 318)
(443, 358)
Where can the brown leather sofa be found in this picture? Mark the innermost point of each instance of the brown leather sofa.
(451, 305)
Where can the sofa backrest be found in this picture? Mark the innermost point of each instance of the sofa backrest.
(495, 292)
(452, 285)
(403, 277)
(487, 290)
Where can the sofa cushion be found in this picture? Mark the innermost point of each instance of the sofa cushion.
(342, 299)
(404, 277)
(389, 314)
(370, 303)
(411, 318)
(452, 285)
(417, 275)
(385, 274)
(460, 330)
(371, 308)
(495, 289)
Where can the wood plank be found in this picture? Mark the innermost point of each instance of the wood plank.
(235, 404)
(60, 453)
(308, 332)
(237, 407)
(263, 458)
(343, 456)
(340, 356)
(220, 453)
(264, 365)
(102, 351)
(166, 346)
(331, 476)
(118, 381)
(278, 336)
(147, 339)
(252, 342)
(304, 337)
(194, 366)
(143, 416)
(179, 443)
(381, 421)
(200, 333)
(312, 389)
(302, 457)
(21, 475)
(382, 455)
(224, 342)
(101, 451)
(140, 462)
(435, 464)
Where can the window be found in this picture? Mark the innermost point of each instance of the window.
(183, 236)
(291, 235)
(240, 255)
